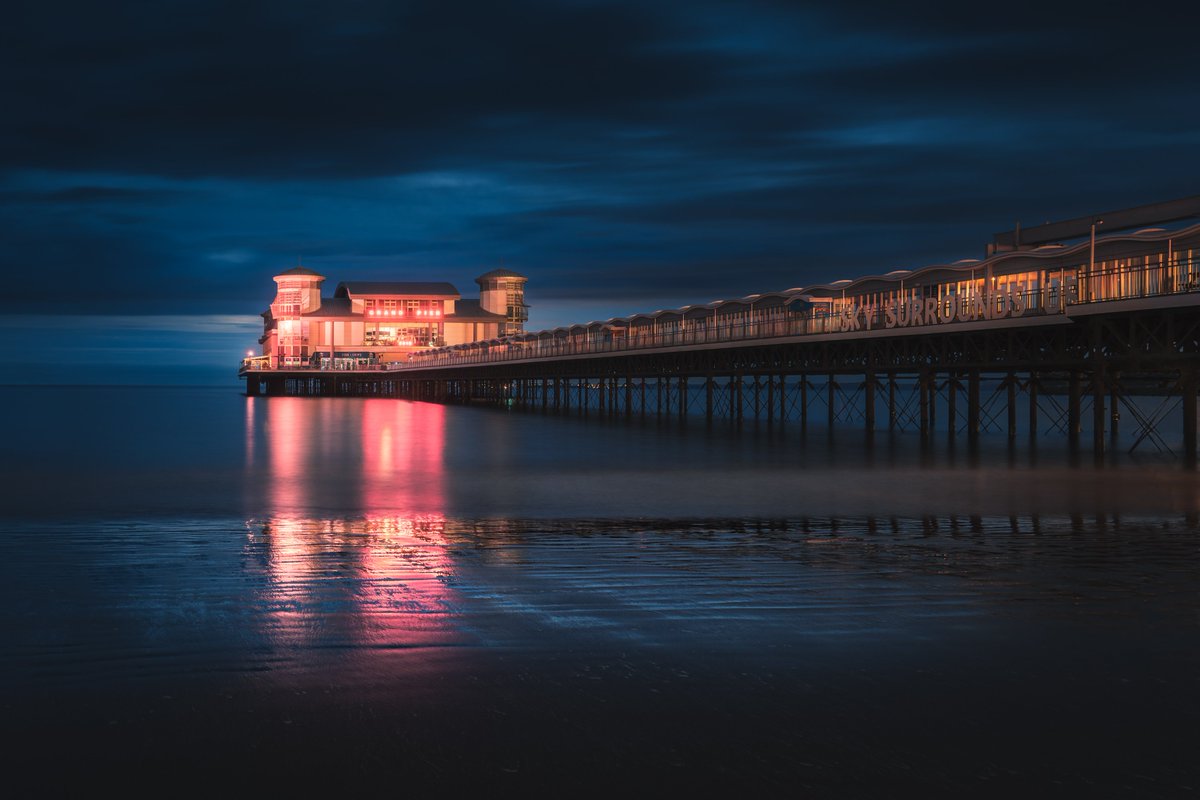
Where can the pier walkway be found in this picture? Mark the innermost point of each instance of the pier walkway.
(1054, 338)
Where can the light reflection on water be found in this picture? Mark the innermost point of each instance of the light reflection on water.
(293, 595)
(407, 556)
(382, 582)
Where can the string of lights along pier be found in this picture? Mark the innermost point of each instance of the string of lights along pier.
(1060, 327)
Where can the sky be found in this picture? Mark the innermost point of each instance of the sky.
(159, 162)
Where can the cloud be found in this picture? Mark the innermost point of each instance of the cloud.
(170, 159)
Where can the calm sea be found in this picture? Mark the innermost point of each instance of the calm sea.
(300, 593)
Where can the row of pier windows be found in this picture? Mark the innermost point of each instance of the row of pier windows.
(1109, 279)
(402, 307)
(1042, 290)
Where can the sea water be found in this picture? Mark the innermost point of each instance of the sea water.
(303, 591)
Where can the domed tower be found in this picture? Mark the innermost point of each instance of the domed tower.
(297, 292)
(502, 291)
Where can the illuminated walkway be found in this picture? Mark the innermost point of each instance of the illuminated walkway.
(1039, 333)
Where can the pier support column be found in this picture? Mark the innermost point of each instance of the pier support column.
(923, 386)
(1114, 407)
(683, 398)
(741, 410)
(869, 401)
(770, 406)
(1098, 393)
(803, 402)
(629, 397)
(952, 404)
(1187, 385)
(1012, 406)
(708, 399)
(932, 402)
(891, 400)
(782, 399)
(830, 398)
(973, 406)
(1033, 404)
(1074, 404)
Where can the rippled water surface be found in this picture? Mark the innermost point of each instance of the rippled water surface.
(309, 592)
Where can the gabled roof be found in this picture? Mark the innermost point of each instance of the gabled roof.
(406, 288)
(333, 307)
(471, 311)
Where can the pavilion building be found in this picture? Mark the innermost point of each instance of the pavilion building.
(379, 322)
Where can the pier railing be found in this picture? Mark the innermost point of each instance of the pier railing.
(1086, 287)
(1060, 290)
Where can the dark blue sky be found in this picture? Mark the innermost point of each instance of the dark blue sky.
(160, 161)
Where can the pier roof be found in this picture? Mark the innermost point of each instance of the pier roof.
(333, 307)
(406, 288)
(500, 273)
(471, 311)
(301, 271)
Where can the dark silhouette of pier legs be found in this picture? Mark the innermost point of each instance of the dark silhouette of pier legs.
(1074, 403)
(869, 401)
(973, 407)
(1188, 388)
(803, 403)
(923, 392)
(891, 400)
(1011, 381)
(830, 388)
(933, 392)
(1114, 407)
(1033, 405)
(782, 399)
(951, 404)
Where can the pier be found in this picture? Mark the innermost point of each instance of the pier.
(1084, 340)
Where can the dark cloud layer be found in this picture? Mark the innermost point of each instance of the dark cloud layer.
(168, 158)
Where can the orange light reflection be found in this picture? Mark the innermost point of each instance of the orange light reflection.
(377, 576)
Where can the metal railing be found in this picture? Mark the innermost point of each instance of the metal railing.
(1060, 290)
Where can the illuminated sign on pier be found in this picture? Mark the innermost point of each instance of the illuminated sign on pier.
(932, 311)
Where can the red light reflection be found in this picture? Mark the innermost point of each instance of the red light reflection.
(377, 573)
(403, 457)
(379, 582)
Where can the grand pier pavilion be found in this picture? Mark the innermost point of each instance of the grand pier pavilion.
(379, 324)
(1092, 310)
